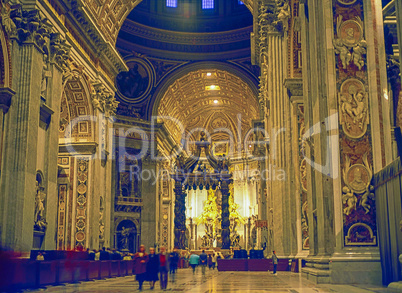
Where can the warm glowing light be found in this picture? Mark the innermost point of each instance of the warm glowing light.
(209, 73)
(215, 101)
(386, 94)
(212, 87)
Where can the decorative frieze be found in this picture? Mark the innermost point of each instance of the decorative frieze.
(359, 218)
(81, 202)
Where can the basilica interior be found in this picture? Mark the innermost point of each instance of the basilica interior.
(205, 124)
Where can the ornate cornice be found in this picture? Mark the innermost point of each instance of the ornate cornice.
(295, 87)
(5, 98)
(185, 38)
(107, 52)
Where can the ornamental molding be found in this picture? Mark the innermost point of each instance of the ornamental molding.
(294, 86)
(103, 99)
(160, 35)
(107, 52)
(272, 18)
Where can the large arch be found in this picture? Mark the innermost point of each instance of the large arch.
(227, 113)
(249, 79)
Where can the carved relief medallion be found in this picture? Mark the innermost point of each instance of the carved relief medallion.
(134, 85)
(353, 108)
(351, 33)
(358, 176)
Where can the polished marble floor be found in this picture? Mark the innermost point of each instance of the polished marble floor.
(214, 281)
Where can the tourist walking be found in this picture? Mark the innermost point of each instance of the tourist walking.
(152, 268)
(163, 268)
(214, 260)
(173, 261)
(203, 261)
(193, 261)
(140, 266)
(209, 261)
(274, 261)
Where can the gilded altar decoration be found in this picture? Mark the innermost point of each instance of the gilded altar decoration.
(211, 218)
(349, 43)
(353, 108)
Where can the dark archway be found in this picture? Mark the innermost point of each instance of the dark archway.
(126, 236)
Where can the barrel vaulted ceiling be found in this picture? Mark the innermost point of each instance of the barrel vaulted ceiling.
(216, 101)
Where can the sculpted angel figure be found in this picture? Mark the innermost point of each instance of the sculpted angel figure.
(358, 51)
(368, 194)
(360, 108)
(349, 199)
(343, 51)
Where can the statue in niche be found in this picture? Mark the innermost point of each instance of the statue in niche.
(45, 75)
(40, 223)
(349, 199)
(125, 235)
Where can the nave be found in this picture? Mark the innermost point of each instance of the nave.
(215, 281)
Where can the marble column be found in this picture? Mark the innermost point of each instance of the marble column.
(149, 207)
(179, 215)
(345, 141)
(18, 178)
(225, 214)
(53, 101)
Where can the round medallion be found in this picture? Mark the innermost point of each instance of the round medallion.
(351, 33)
(80, 236)
(134, 85)
(358, 178)
(347, 2)
(82, 188)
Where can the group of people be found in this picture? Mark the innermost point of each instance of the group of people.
(149, 267)
(203, 260)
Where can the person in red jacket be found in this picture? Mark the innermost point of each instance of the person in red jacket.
(163, 267)
(140, 266)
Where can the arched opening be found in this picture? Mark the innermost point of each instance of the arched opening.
(126, 236)
(76, 146)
